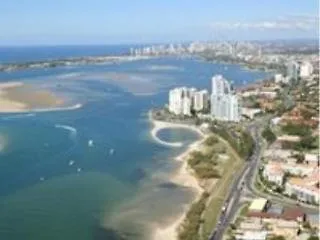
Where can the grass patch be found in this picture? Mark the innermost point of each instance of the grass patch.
(219, 193)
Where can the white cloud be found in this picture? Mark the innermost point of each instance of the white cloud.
(303, 22)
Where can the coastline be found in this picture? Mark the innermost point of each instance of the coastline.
(184, 176)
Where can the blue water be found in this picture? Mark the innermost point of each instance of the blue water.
(116, 188)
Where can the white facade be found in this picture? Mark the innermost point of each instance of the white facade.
(306, 69)
(252, 235)
(279, 78)
(183, 100)
(224, 104)
(273, 174)
(220, 85)
(180, 100)
(302, 193)
(175, 101)
(293, 70)
(200, 100)
(186, 106)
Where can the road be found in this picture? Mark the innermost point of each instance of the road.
(242, 180)
(245, 181)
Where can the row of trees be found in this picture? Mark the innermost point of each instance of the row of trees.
(241, 141)
(190, 227)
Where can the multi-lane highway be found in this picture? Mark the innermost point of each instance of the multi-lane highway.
(239, 183)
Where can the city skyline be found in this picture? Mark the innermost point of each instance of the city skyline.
(106, 22)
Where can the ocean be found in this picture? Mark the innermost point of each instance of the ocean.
(95, 172)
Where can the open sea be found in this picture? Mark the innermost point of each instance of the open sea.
(54, 185)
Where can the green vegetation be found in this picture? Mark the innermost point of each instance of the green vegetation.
(313, 238)
(240, 140)
(212, 140)
(296, 129)
(279, 237)
(269, 135)
(219, 192)
(307, 142)
(204, 164)
(190, 226)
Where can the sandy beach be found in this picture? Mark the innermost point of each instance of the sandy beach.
(16, 97)
(7, 105)
(184, 176)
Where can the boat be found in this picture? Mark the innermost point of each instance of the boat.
(79, 170)
(90, 143)
(42, 179)
(111, 151)
(71, 163)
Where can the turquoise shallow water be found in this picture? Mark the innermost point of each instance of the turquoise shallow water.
(54, 186)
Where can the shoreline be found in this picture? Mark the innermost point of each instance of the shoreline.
(10, 106)
(184, 176)
(40, 110)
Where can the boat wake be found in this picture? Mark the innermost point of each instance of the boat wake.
(72, 130)
(19, 116)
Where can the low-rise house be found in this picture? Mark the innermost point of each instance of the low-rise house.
(258, 205)
(289, 138)
(250, 112)
(251, 226)
(293, 214)
(301, 170)
(304, 189)
(252, 235)
(273, 173)
(278, 154)
(312, 158)
(289, 229)
(313, 220)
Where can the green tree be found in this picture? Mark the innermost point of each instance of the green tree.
(269, 135)
(278, 237)
(313, 238)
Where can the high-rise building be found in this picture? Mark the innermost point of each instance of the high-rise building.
(220, 85)
(306, 69)
(201, 100)
(293, 70)
(175, 104)
(180, 101)
(224, 103)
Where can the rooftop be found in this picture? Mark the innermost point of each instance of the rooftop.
(258, 204)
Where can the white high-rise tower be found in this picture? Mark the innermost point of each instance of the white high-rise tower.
(224, 103)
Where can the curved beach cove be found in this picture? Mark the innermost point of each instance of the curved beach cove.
(159, 125)
(105, 170)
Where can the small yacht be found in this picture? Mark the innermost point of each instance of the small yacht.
(79, 170)
(90, 143)
(111, 151)
(71, 163)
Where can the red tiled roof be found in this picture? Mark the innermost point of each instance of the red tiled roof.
(293, 214)
(262, 215)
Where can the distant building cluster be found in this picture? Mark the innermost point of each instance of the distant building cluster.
(223, 103)
(296, 70)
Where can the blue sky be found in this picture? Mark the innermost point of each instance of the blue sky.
(33, 22)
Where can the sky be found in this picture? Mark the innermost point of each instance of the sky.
(60, 22)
